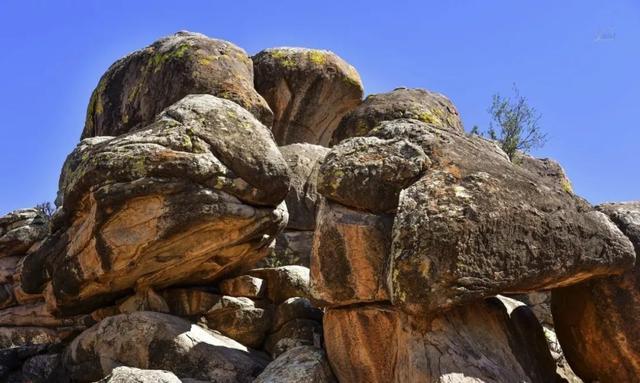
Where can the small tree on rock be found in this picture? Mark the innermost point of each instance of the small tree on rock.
(515, 124)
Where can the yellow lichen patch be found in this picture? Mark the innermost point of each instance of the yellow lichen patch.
(284, 59)
(429, 117)
(317, 57)
(566, 186)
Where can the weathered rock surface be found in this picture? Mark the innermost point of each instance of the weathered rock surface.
(477, 224)
(368, 173)
(304, 364)
(597, 321)
(188, 199)
(136, 375)
(492, 341)
(303, 161)
(241, 319)
(243, 286)
(189, 302)
(308, 90)
(19, 230)
(292, 248)
(295, 308)
(284, 282)
(294, 333)
(139, 86)
(150, 340)
(418, 104)
(20, 336)
(350, 256)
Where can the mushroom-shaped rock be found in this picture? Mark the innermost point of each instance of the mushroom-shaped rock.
(139, 86)
(19, 230)
(476, 224)
(497, 340)
(308, 90)
(419, 104)
(304, 364)
(597, 321)
(150, 340)
(190, 198)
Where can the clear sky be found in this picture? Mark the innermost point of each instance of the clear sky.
(577, 62)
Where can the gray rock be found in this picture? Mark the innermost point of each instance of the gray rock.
(136, 375)
(303, 161)
(137, 87)
(368, 173)
(296, 332)
(419, 104)
(295, 308)
(153, 340)
(308, 90)
(292, 248)
(304, 364)
(19, 230)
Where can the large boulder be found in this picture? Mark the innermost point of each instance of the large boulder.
(597, 321)
(190, 198)
(419, 104)
(476, 224)
(308, 90)
(21, 229)
(303, 364)
(139, 86)
(497, 340)
(150, 340)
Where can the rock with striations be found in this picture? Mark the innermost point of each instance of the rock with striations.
(303, 364)
(150, 340)
(488, 341)
(139, 86)
(597, 321)
(476, 224)
(350, 256)
(308, 90)
(188, 199)
(19, 230)
(429, 107)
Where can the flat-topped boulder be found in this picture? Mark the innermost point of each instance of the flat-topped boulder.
(192, 197)
(142, 84)
(309, 90)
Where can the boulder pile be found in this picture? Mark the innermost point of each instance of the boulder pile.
(228, 218)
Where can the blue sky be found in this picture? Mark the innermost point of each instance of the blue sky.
(576, 61)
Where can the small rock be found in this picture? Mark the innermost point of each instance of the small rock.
(284, 282)
(243, 286)
(304, 364)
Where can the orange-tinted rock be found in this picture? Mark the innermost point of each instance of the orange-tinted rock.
(350, 256)
(243, 286)
(597, 321)
(308, 90)
(493, 341)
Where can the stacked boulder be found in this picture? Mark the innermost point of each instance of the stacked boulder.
(205, 232)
